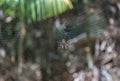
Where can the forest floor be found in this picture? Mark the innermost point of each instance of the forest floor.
(106, 60)
(105, 56)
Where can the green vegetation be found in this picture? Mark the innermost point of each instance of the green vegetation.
(55, 40)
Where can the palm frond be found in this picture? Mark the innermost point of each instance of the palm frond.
(37, 9)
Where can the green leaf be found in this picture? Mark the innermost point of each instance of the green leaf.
(2, 2)
(32, 6)
(36, 9)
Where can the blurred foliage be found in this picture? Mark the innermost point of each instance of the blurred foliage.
(42, 42)
(37, 44)
(35, 9)
(39, 35)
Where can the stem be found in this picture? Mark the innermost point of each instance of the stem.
(20, 48)
(89, 58)
(88, 49)
(22, 36)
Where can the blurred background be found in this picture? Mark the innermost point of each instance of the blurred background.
(59, 40)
